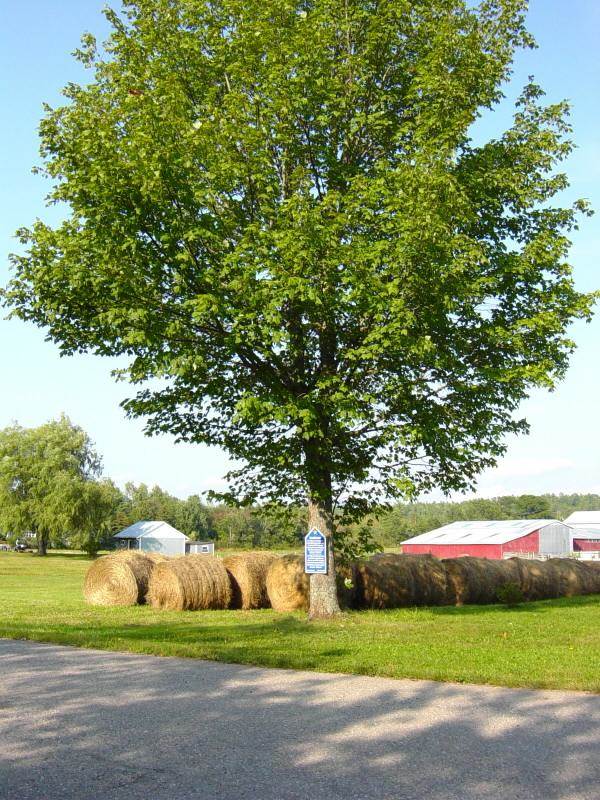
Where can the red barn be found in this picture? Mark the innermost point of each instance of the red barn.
(494, 539)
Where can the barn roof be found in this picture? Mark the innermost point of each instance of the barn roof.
(155, 528)
(583, 518)
(482, 532)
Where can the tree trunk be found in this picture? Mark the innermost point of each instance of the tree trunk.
(323, 588)
(42, 544)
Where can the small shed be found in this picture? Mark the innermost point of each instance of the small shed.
(494, 539)
(200, 548)
(153, 536)
(586, 530)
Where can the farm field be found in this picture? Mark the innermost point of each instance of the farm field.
(550, 644)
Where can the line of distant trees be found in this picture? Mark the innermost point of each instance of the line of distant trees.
(51, 486)
(410, 519)
(51, 490)
(231, 527)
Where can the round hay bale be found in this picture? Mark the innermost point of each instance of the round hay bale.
(288, 584)
(248, 575)
(477, 580)
(156, 558)
(190, 583)
(347, 594)
(593, 573)
(539, 580)
(389, 580)
(575, 577)
(118, 581)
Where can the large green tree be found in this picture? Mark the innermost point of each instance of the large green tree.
(95, 513)
(47, 483)
(279, 218)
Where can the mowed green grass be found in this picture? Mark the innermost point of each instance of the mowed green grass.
(551, 644)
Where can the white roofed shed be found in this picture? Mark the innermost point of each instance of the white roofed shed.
(153, 536)
(586, 530)
(590, 520)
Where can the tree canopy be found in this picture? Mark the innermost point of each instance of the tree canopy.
(46, 481)
(278, 216)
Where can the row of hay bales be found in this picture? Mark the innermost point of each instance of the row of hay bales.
(181, 583)
(395, 581)
(262, 580)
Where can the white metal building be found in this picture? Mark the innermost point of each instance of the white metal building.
(586, 531)
(584, 519)
(200, 548)
(153, 536)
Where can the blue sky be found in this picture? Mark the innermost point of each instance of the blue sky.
(562, 453)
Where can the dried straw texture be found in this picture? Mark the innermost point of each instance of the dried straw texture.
(347, 595)
(477, 580)
(539, 580)
(389, 580)
(576, 577)
(156, 558)
(190, 583)
(118, 581)
(248, 575)
(592, 575)
(288, 584)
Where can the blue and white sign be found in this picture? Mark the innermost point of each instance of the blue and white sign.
(315, 553)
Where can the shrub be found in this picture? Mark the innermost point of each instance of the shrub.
(510, 594)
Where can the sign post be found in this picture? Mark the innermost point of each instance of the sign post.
(315, 553)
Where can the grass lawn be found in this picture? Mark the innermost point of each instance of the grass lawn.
(551, 644)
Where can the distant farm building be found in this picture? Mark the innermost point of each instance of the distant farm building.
(200, 548)
(494, 539)
(586, 530)
(153, 536)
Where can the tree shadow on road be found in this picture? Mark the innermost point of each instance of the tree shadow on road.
(90, 724)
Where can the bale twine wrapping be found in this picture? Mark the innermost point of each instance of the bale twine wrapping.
(190, 583)
(389, 580)
(248, 576)
(288, 584)
(477, 580)
(118, 581)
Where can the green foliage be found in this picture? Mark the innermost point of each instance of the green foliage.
(356, 541)
(277, 211)
(46, 481)
(510, 594)
(96, 507)
(272, 527)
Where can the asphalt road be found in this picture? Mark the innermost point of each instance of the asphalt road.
(86, 724)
